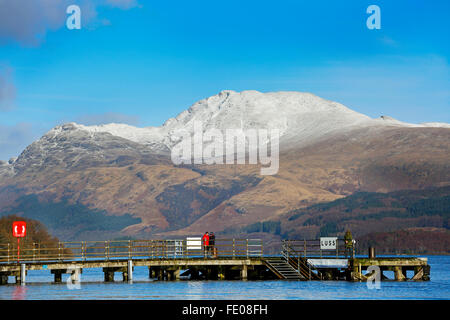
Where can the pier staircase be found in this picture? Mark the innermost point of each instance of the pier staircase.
(282, 269)
(299, 263)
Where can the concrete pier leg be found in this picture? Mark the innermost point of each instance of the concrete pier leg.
(398, 272)
(213, 273)
(207, 272)
(130, 270)
(127, 275)
(58, 276)
(109, 276)
(177, 274)
(426, 273)
(244, 272)
(418, 273)
(152, 272)
(3, 279)
(76, 275)
(23, 273)
(194, 274)
(221, 273)
(161, 274)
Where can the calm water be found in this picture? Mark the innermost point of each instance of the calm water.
(39, 286)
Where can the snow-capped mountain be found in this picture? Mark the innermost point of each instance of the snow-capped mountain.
(123, 174)
(301, 118)
(300, 115)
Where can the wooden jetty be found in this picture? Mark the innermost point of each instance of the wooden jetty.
(228, 259)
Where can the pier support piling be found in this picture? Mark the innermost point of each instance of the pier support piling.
(177, 274)
(75, 275)
(221, 273)
(128, 274)
(3, 279)
(109, 275)
(74, 272)
(399, 275)
(23, 273)
(57, 275)
(244, 272)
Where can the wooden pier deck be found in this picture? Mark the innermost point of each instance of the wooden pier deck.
(229, 259)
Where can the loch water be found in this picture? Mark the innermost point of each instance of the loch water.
(40, 286)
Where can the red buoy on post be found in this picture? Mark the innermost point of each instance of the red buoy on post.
(19, 230)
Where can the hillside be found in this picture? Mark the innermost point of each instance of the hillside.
(408, 241)
(102, 182)
(407, 221)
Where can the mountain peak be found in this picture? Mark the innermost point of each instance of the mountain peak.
(301, 115)
(302, 118)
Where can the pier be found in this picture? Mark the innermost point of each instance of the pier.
(228, 259)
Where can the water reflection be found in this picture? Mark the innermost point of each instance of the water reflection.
(19, 292)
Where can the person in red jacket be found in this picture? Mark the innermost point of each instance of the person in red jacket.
(205, 240)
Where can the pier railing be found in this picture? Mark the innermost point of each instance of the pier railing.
(128, 249)
(313, 249)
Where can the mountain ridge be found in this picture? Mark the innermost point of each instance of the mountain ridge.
(327, 154)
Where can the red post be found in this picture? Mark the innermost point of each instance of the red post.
(18, 249)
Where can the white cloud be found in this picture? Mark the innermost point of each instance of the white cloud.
(28, 21)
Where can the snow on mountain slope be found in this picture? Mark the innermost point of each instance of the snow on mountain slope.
(138, 135)
(302, 115)
(435, 125)
(302, 119)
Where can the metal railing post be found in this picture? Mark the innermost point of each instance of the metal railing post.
(304, 247)
(288, 251)
(320, 250)
(233, 250)
(8, 252)
(247, 248)
(59, 251)
(337, 248)
(129, 249)
(82, 252)
(34, 251)
(150, 249)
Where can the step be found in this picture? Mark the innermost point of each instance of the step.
(284, 269)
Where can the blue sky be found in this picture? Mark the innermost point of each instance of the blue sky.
(142, 62)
